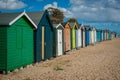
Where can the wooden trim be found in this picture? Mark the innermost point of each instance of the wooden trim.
(19, 16)
(43, 42)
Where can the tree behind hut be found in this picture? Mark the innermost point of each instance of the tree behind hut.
(72, 20)
(56, 15)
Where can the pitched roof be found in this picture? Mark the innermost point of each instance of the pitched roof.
(80, 26)
(72, 24)
(57, 25)
(92, 28)
(98, 30)
(87, 28)
(64, 23)
(35, 16)
(10, 18)
(6, 18)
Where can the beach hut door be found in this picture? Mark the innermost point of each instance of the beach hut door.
(79, 37)
(83, 38)
(59, 35)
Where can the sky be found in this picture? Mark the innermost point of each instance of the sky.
(99, 13)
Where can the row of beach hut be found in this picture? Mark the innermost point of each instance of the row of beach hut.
(30, 37)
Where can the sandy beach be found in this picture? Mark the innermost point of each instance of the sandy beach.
(98, 62)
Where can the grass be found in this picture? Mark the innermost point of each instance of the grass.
(57, 68)
(28, 79)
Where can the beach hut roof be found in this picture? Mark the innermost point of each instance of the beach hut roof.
(10, 18)
(57, 25)
(54, 25)
(72, 24)
(65, 23)
(36, 16)
(92, 28)
(82, 27)
(80, 24)
(98, 30)
(6, 18)
(87, 27)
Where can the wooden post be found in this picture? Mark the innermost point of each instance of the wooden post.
(43, 42)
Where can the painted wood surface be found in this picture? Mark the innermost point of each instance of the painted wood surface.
(19, 45)
(78, 38)
(83, 38)
(48, 51)
(73, 39)
(43, 47)
(59, 42)
(74, 28)
(92, 37)
(67, 39)
(95, 34)
(87, 37)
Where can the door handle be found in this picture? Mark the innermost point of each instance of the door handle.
(60, 42)
(45, 43)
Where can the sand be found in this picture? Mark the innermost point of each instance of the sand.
(98, 62)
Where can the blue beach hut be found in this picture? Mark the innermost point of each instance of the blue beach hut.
(87, 35)
(43, 35)
(98, 35)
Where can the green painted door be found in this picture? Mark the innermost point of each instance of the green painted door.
(19, 44)
(27, 45)
(19, 36)
(73, 39)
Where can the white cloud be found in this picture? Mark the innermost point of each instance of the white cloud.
(53, 5)
(91, 10)
(11, 4)
(112, 1)
(30, 8)
(39, 0)
(65, 11)
(96, 10)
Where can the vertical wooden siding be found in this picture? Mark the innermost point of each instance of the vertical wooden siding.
(78, 38)
(67, 38)
(20, 44)
(48, 40)
(3, 47)
(73, 39)
(87, 37)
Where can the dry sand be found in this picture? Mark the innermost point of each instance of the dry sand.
(99, 62)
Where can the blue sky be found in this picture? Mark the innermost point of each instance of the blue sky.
(85, 11)
(30, 5)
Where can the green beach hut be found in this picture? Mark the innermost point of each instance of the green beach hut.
(16, 41)
(74, 28)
